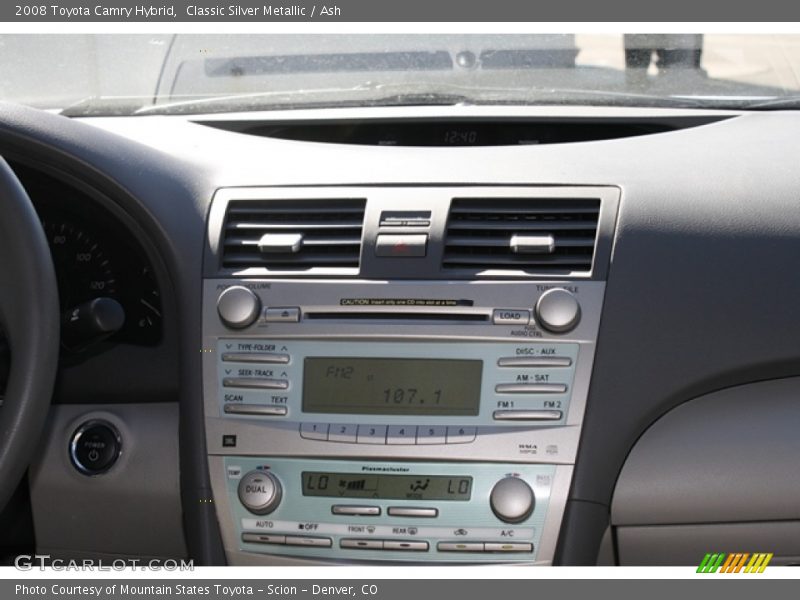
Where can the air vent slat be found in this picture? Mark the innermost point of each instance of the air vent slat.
(495, 259)
(481, 232)
(328, 234)
(503, 242)
(295, 225)
(519, 225)
(328, 241)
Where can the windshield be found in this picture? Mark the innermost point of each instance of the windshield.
(163, 74)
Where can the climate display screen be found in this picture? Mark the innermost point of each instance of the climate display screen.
(386, 487)
(392, 386)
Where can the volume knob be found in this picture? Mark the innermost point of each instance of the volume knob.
(238, 307)
(558, 310)
(260, 492)
(512, 500)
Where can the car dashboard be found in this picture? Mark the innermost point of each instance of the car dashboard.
(403, 335)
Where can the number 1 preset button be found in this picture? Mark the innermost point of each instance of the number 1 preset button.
(401, 435)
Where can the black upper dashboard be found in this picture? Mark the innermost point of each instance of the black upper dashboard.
(700, 291)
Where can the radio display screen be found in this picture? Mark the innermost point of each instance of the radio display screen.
(392, 386)
(386, 487)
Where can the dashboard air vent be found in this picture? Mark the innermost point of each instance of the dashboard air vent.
(530, 236)
(293, 235)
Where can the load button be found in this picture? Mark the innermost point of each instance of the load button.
(511, 316)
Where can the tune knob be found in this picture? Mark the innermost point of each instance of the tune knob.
(558, 310)
(260, 492)
(238, 307)
(512, 500)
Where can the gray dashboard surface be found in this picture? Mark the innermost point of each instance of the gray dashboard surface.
(722, 458)
(701, 292)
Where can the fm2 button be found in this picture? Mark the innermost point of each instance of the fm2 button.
(95, 447)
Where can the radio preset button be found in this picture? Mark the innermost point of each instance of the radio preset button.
(530, 388)
(253, 357)
(412, 511)
(534, 361)
(558, 311)
(512, 500)
(407, 546)
(401, 435)
(263, 538)
(352, 543)
(342, 433)
(262, 410)
(238, 307)
(284, 314)
(431, 434)
(314, 431)
(371, 434)
(298, 540)
(527, 415)
(259, 492)
(461, 435)
(255, 383)
(510, 316)
(460, 546)
(361, 511)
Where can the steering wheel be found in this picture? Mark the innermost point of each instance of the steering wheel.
(29, 319)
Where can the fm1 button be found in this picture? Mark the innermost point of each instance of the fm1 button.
(95, 447)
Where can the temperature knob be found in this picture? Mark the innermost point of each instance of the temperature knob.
(558, 310)
(512, 500)
(238, 307)
(260, 492)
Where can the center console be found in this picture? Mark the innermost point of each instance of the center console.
(399, 373)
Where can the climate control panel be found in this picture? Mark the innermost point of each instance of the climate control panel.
(390, 511)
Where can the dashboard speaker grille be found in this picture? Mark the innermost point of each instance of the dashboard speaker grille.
(293, 235)
(530, 236)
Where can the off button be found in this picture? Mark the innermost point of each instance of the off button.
(95, 447)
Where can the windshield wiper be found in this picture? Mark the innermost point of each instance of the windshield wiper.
(774, 103)
(325, 98)
(395, 94)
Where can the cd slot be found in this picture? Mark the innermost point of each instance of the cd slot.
(451, 317)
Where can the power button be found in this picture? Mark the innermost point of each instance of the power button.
(95, 447)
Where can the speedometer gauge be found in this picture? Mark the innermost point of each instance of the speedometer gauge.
(83, 269)
(106, 286)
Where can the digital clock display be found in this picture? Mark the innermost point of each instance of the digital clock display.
(392, 386)
(386, 487)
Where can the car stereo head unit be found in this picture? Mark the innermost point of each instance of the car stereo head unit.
(406, 404)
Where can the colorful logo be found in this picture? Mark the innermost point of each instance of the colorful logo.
(738, 562)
